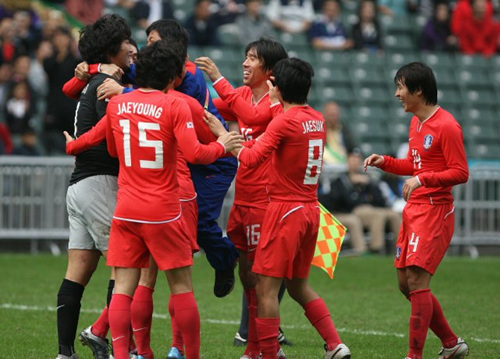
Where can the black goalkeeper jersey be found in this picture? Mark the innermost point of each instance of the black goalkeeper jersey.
(89, 111)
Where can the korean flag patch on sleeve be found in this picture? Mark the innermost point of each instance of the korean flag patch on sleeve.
(190, 124)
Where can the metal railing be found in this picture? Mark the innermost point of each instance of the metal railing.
(33, 202)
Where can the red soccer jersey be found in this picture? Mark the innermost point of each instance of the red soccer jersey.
(295, 141)
(436, 155)
(253, 118)
(144, 130)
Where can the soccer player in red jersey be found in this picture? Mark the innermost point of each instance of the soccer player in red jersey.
(144, 129)
(251, 106)
(437, 162)
(294, 141)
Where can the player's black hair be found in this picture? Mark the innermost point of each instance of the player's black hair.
(418, 76)
(133, 43)
(268, 51)
(293, 78)
(169, 30)
(102, 39)
(157, 66)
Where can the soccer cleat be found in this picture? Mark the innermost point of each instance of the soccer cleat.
(251, 356)
(239, 341)
(99, 346)
(174, 353)
(459, 351)
(224, 282)
(281, 354)
(73, 356)
(283, 340)
(341, 351)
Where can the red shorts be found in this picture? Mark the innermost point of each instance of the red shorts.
(288, 240)
(131, 243)
(244, 228)
(425, 235)
(190, 218)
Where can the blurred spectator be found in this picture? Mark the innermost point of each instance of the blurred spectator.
(328, 32)
(86, 11)
(477, 32)
(396, 7)
(19, 107)
(5, 76)
(160, 9)
(27, 33)
(292, 16)
(227, 11)
(366, 33)
(60, 109)
(339, 140)
(8, 40)
(28, 146)
(6, 144)
(437, 35)
(202, 25)
(357, 201)
(254, 24)
(463, 11)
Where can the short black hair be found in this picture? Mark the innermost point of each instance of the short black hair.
(269, 51)
(418, 76)
(169, 30)
(157, 66)
(133, 43)
(293, 78)
(103, 39)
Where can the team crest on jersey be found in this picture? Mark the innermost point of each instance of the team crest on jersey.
(428, 141)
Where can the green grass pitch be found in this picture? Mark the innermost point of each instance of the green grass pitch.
(370, 313)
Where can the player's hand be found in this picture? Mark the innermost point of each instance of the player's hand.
(111, 70)
(214, 124)
(108, 89)
(410, 185)
(206, 64)
(82, 71)
(273, 92)
(231, 140)
(374, 160)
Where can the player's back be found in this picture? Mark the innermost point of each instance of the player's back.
(297, 162)
(143, 124)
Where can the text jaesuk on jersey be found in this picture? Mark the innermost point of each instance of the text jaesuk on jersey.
(313, 126)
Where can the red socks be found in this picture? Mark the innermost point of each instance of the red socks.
(142, 315)
(101, 326)
(119, 321)
(253, 339)
(318, 314)
(268, 331)
(421, 314)
(439, 325)
(187, 318)
(176, 333)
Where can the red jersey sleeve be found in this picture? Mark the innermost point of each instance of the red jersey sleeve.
(242, 108)
(224, 110)
(89, 139)
(452, 140)
(74, 87)
(256, 152)
(188, 143)
(398, 166)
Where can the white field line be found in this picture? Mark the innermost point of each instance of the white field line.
(235, 322)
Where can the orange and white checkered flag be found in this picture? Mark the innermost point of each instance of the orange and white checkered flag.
(330, 238)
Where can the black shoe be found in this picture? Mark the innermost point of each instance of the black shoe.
(239, 341)
(224, 282)
(283, 340)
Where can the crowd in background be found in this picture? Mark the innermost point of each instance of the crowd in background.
(39, 51)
